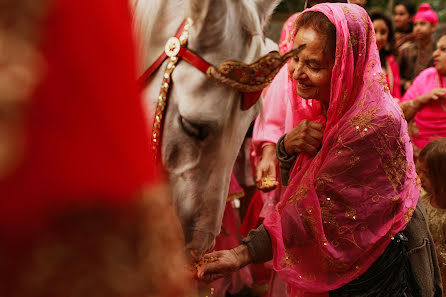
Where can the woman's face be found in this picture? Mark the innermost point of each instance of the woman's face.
(381, 33)
(312, 67)
(439, 56)
(401, 18)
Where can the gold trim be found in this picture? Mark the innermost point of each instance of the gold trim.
(158, 121)
(253, 77)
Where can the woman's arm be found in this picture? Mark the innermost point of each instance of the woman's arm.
(256, 248)
(411, 107)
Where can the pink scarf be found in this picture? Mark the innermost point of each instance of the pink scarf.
(343, 206)
(393, 77)
(286, 36)
(430, 121)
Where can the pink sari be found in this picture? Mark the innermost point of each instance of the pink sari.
(343, 206)
(430, 121)
(393, 77)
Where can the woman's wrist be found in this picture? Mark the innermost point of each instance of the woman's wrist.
(417, 103)
(269, 152)
(242, 255)
(288, 149)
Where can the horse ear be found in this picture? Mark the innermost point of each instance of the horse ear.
(266, 9)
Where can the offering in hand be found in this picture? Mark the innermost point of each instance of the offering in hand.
(268, 182)
(204, 261)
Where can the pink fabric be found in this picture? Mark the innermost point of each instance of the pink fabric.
(277, 119)
(343, 206)
(430, 121)
(426, 13)
(286, 36)
(394, 83)
(234, 187)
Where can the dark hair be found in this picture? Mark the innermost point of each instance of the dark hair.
(435, 156)
(321, 24)
(390, 50)
(410, 7)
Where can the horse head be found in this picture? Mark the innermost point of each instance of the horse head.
(204, 123)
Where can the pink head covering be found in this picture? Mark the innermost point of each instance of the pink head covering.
(343, 206)
(426, 13)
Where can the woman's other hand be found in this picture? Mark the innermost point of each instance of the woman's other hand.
(225, 263)
(306, 137)
(435, 94)
(266, 169)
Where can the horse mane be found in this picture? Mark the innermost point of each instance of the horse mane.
(251, 22)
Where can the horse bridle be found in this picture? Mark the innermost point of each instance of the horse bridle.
(248, 79)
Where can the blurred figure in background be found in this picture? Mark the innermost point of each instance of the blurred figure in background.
(402, 18)
(431, 168)
(417, 56)
(19, 73)
(359, 2)
(424, 104)
(85, 212)
(385, 40)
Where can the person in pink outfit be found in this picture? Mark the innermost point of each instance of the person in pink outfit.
(385, 41)
(424, 104)
(337, 230)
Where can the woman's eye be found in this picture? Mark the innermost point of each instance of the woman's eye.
(192, 129)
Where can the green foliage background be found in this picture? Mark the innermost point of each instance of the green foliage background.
(291, 6)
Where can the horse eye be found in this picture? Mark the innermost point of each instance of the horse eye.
(192, 129)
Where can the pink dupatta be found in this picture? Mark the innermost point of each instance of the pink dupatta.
(393, 77)
(430, 121)
(343, 206)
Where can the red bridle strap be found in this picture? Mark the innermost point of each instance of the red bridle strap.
(193, 59)
(183, 53)
(149, 72)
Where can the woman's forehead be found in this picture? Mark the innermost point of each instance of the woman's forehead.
(310, 37)
(442, 41)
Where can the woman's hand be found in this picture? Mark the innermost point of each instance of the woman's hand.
(306, 137)
(226, 262)
(266, 169)
(435, 94)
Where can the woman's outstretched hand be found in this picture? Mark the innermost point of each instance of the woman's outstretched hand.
(306, 137)
(223, 263)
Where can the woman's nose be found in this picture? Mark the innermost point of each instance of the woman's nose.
(298, 71)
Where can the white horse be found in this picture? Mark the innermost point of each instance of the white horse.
(204, 123)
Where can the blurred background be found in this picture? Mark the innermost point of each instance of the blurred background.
(288, 7)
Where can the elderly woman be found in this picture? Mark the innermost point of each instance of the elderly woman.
(424, 104)
(337, 230)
